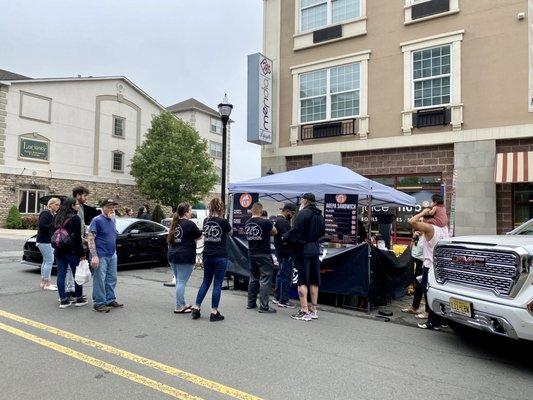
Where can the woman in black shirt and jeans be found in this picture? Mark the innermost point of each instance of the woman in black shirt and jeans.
(215, 258)
(67, 218)
(44, 234)
(181, 240)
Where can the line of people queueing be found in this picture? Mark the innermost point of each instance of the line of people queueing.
(62, 235)
(297, 245)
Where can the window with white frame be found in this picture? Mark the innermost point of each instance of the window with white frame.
(315, 14)
(219, 173)
(330, 93)
(216, 126)
(215, 149)
(29, 201)
(118, 161)
(118, 126)
(431, 76)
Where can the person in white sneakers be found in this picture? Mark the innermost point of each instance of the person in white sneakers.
(432, 234)
(44, 236)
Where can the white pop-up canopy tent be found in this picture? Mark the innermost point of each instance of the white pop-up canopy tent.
(320, 180)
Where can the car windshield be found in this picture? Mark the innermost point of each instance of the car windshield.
(525, 229)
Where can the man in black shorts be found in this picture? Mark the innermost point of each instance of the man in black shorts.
(258, 231)
(308, 228)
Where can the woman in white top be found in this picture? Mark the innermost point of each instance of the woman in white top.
(432, 235)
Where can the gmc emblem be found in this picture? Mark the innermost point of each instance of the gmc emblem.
(470, 261)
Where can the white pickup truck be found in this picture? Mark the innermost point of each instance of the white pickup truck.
(485, 282)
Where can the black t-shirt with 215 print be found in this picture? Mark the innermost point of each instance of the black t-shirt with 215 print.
(215, 234)
(258, 235)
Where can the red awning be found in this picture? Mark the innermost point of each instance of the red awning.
(514, 167)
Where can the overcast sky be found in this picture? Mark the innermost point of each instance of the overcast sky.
(172, 49)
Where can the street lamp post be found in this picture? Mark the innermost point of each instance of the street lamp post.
(224, 109)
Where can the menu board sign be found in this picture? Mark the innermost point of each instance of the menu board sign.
(242, 210)
(340, 212)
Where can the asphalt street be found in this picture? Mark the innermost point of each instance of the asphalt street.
(144, 351)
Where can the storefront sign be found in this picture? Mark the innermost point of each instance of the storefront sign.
(260, 71)
(340, 211)
(34, 149)
(242, 210)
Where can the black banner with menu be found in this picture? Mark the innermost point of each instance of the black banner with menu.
(242, 210)
(340, 212)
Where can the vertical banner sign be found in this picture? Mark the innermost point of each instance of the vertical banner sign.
(340, 211)
(452, 205)
(242, 210)
(260, 92)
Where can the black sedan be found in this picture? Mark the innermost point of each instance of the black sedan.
(139, 242)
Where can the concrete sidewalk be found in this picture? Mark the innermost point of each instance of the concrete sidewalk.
(16, 233)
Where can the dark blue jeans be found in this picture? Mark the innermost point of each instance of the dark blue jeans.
(63, 261)
(283, 279)
(214, 271)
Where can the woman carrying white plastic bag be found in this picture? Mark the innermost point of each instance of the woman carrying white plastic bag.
(83, 274)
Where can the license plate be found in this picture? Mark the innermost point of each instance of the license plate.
(461, 307)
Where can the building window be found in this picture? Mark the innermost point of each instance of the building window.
(522, 203)
(118, 161)
(219, 173)
(315, 14)
(421, 187)
(330, 93)
(29, 201)
(215, 149)
(216, 126)
(431, 76)
(119, 124)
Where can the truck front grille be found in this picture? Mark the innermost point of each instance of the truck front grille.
(497, 271)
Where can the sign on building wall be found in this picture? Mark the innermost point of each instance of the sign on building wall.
(35, 149)
(260, 92)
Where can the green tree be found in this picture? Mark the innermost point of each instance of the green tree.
(172, 164)
(14, 220)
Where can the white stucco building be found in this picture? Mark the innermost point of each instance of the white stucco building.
(56, 133)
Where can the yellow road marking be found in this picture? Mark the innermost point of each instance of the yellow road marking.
(124, 373)
(198, 380)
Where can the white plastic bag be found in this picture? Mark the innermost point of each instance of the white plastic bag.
(83, 274)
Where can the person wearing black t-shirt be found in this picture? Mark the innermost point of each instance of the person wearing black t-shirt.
(215, 258)
(181, 240)
(283, 254)
(258, 231)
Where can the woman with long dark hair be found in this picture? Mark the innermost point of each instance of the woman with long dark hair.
(181, 240)
(44, 234)
(70, 251)
(215, 258)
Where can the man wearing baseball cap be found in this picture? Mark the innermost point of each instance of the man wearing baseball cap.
(309, 226)
(102, 239)
(283, 254)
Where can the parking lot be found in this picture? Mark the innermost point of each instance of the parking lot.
(144, 351)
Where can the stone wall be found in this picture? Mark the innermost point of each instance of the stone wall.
(475, 208)
(295, 162)
(125, 195)
(436, 160)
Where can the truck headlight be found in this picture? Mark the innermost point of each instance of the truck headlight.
(530, 307)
